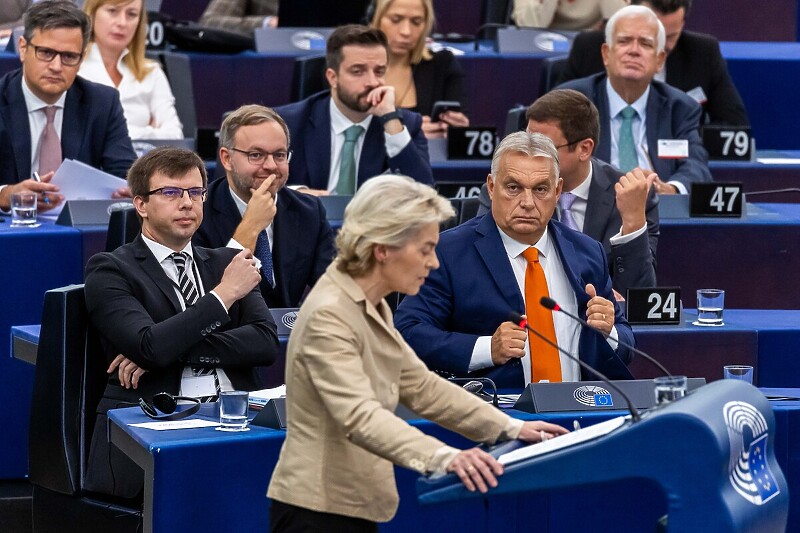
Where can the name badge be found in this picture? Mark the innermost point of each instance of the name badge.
(673, 148)
(657, 305)
(196, 386)
(698, 95)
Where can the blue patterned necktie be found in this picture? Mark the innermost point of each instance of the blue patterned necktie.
(565, 205)
(190, 296)
(264, 254)
(628, 160)
(347, 171)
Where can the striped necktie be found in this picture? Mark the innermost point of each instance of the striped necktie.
(190, 295)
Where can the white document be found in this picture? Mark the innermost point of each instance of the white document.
(261, 397)
(176, 424)
(79, 181)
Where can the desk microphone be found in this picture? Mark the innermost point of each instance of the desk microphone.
(523, 323)
(551, 304)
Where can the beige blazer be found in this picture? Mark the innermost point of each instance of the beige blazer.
(347, 369)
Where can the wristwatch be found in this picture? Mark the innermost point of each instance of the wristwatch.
(391, 116)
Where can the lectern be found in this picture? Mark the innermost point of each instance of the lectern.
(712, 453)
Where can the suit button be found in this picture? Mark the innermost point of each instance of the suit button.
(218, 323)
(393, 388)
(417, 465)
(216, 360)
(203, 333)
(620, 269)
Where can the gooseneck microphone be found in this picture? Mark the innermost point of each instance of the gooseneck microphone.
(523, 323)
(551, 304)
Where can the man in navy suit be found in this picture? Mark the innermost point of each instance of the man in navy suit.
(172, 317)
(633, 53)
(458, 323)
(694, 63)
(388, 139)
(620, 210)
(86, 118)
(250, 208)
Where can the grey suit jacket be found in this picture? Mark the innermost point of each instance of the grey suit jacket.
(241, 16)
(347, 368)
(632, 264)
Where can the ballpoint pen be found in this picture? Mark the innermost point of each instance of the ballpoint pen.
(37, 179)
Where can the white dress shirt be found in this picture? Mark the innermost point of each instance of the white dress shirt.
(163, 256)
(142, 101)
(394, 143)
(37, 120)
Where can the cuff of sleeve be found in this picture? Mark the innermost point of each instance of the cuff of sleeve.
(481, 354)
(396, 143)
(220, 301)
(511, 430)
(680, 186)
(612, 341)
(619, 238)
(441, 459)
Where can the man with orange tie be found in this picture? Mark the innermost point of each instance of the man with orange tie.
(48, 113)
(506, 261)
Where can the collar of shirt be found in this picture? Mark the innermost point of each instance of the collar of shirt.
(162, 253)
(339, 122)
(581, 193)
(514, 248)
(616, 104)
(94, 68)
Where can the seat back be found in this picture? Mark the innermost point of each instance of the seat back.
(308, 77)
(552, 70)
(69, 382)
(123, 227)
(179, 73)
(515, 119)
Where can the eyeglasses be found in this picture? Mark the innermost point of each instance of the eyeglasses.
(568, 144)
(258, 157)
(174, 193)
(68, 59)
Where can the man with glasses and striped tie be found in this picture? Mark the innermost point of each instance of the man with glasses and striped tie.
(48, 113)
(172, 317)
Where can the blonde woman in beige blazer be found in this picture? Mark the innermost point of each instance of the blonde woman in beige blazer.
(348, 368)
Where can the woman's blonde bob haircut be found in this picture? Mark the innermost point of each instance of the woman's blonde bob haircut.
(420, 50)
(140, 66)
(388, 210)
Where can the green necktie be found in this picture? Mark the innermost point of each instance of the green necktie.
(347, 170)
(628, 159)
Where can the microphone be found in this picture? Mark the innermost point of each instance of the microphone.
(517, 319)
(476, 386)
(551, 304)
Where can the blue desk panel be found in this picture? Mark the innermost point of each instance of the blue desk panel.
(228, 494)
(34, 261)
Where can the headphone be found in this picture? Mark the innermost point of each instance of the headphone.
(167, 403)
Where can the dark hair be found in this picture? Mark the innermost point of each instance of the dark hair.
(666, 6)
(351, 34)
(55, 14)
(576, 115)
(166, 160)
(249, 115)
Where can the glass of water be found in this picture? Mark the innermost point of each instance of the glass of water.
(669, 388)
(233, 410)
(23, 209)
(710, 304)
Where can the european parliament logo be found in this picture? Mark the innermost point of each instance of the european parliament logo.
(593, 396)
(749, 471)
(289, 319)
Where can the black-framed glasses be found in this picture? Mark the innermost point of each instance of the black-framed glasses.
(197, 194)
(568, 144)
(68, 59)
(258, 157)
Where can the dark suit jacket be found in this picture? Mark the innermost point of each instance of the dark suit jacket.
(93, 131)
(696, 61)
(133, 305)
(439, 78)
(632, 264)
(474, 290)
(303, 239)
(671, 114)
(309, 123)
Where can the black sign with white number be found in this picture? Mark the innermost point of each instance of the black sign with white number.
(471, 143)
(656, 305)
(716, 200)
(155, 31)
(459, 189)
(728, 143)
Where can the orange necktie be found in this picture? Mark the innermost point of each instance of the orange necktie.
(545, 363)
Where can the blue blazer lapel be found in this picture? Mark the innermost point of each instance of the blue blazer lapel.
(153, 269)
(74, 125)
(658, 120)
(226, 215)
(491, 250)
(600, 205)
(569, 257)
(318, 145)
(17, 110)
(289, 240)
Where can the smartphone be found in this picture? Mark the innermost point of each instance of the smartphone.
(442, 106)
